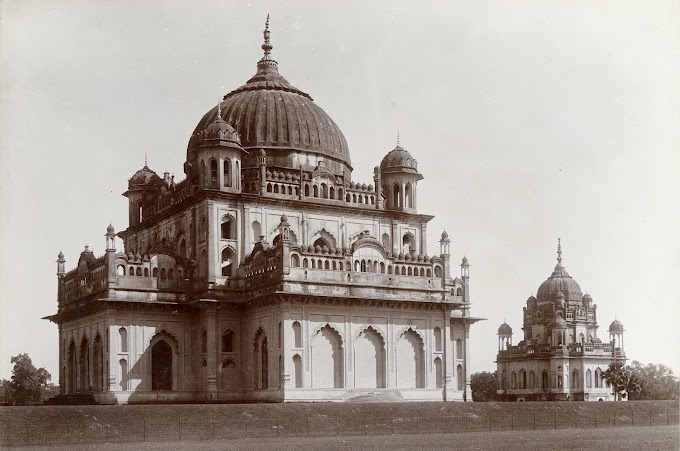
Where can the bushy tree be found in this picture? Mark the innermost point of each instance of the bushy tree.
(656, 382)
(27, 383)
(484, 386)
(622, 380)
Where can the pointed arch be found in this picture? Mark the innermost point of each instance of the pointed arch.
(84, 364)
(438, 374)
(410, 360)
(261, 360)
(327, 358)
(369, 349)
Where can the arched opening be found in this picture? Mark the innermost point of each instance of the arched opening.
(138, 271)
(544, 380)
(438, 376)
(459, 377)
(315, 190)
(227, 261)
(410, 356)
(295, 261)
(161, 366)
(140, 211)
(213, 172)
(122, 333)
(396, 196)
(598, 378)
(324, 191)
(226, 174)
(229, 375)
(228, 341)
(84, 385)
(589, 379)
(155, 272)
(97, 365)
(120, 270)
(459, 348)
(513, 379)
(369, 349)
(408, 242)
(297, 368)
(522, 379)
(297, 335)
(72, 368)
(256, 231)
(437, 339)
(408, 196)
(131, 271)
(331, 193)
(228, 228)
(163, 274)
(574, 379)
(327, 359)
(146, 272)
(437, 271)
(123, 374)
(306, 190)
(261, 363)
(532, 379)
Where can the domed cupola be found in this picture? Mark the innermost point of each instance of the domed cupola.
(399, 176)
(141, 185)
(271, 114)
(217, 156)
(616, 327)
(559, 281)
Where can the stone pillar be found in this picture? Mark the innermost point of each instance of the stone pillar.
(396, 239)
(113, 350)
(377, 179)
(466, 361)
(449, 343)
(213, 349)
(286, 325)
(212, 242)
(423, 239)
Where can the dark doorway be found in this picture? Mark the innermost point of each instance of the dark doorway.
(161, 366)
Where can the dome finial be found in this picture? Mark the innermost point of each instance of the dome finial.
(267, 47)
(146, 160)
(559, 251)
(397, 137)
(219, 108)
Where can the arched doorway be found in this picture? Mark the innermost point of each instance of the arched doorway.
(72, 368)
(97, 365)
(369, 358)
(327, 353)
(410, 372)
(261, 357)
(84, 366)
(161, 366)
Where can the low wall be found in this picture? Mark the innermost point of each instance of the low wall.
(64, 425)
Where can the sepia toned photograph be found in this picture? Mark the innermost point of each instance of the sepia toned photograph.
(350, 225)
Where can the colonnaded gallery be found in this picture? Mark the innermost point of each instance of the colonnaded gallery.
(560, 356)
(268, 274)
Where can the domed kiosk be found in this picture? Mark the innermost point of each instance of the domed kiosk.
(560, 356)
(268, 274)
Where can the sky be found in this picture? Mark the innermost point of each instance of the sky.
(530, 120)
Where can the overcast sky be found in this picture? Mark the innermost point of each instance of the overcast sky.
(530, 120)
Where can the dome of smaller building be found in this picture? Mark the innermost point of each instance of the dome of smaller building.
(110, 228)
(616, 327)
(144, 176)
(445, 235)
(399, 160)
(587, 298)
(465, 261)
(217, 133)
(61, 255)
(87, 256)
(505, 329)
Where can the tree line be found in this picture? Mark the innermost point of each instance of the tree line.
(636, 381)
(28, 384)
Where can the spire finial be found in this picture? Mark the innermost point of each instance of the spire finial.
(397, 137)
(559, 251)
(267, 47)
(145, 159)
(219, 108)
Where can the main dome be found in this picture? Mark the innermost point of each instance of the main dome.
(559, 281)
(269, 113)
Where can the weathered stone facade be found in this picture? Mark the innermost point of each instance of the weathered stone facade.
(267, 274)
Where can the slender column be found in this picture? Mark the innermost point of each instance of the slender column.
(286, 356)
(423, 238)
(448, 343)
(466, 361)
(114, 349)
(213, 349)
(395, 239)
(212, 241)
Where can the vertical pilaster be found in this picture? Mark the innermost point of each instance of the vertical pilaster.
(212, 241)
(448, 344)
(466, 361)
(286, 324)
(213, 349)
